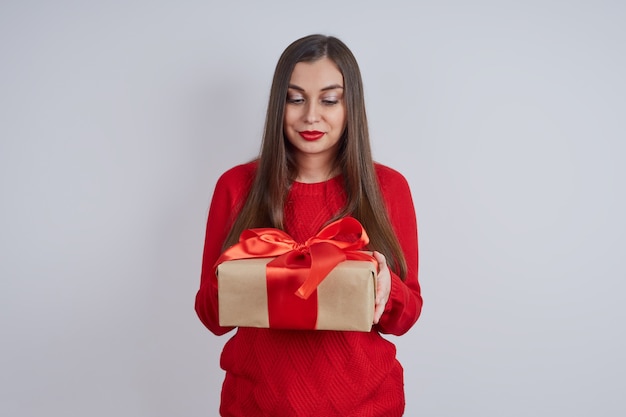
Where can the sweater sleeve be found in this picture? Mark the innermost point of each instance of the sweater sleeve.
(405, 301)
(230, 190)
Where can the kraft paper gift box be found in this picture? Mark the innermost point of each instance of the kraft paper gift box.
(326, 283)
(344, 300)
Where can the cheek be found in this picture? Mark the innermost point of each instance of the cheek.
(289, 118)
(288, 126)
(341, 118)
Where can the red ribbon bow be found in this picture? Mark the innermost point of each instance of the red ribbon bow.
(315, 258)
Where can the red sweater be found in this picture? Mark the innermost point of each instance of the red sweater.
(312, 373)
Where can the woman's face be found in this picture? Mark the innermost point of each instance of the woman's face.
(315, 112)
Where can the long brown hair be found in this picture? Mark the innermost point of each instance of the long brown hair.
(276, 168)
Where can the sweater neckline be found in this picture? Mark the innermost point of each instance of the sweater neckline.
(336, 178)
(316, 187)
(318, 182)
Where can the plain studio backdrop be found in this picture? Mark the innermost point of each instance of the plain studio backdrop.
(506, 117)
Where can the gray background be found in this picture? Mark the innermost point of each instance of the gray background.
(507, 118)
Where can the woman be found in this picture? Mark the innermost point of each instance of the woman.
(315, 167)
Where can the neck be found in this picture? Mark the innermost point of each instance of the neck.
(312, 170)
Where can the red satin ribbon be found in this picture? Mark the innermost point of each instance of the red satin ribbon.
(299, 268)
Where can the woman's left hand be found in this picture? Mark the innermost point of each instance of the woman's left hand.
(383, 286)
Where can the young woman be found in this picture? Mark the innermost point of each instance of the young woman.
(315, 167)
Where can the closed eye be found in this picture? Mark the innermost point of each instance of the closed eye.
(295, 100)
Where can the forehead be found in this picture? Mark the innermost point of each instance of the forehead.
(316, 75)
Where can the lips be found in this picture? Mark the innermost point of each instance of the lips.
(311, 135)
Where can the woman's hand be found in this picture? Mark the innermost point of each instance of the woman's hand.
(383, 286)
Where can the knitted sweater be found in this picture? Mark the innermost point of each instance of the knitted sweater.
(312, 373)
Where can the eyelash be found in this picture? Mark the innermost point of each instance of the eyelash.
(299, 100)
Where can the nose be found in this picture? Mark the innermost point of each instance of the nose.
(312, 114)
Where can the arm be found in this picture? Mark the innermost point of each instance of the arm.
(230, 190)
(404, 305)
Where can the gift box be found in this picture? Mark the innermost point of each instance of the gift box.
(344, 300)
(267, 280)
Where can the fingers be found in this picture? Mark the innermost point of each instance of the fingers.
(383, 286)
(380, 258)
(378, 312)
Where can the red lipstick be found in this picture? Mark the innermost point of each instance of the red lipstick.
(311, 135)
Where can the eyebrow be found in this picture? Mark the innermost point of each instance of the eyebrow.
(330, 87)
